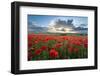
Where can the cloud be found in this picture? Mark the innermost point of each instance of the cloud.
(57, 23)
(32, 24)
(61, 25)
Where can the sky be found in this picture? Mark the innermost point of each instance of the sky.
(46, 20)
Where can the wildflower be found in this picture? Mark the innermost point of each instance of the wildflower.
(53, 53)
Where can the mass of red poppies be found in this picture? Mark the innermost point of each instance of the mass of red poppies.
(49, 47)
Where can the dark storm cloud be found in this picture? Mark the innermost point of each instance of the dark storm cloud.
(63, 23)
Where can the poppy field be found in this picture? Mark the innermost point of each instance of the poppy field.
(50, 47)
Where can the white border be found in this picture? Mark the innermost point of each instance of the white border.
(26, 65)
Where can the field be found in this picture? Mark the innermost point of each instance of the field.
(50, 47)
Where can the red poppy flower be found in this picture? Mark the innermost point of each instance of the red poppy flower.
(78, 43)
(30, 37)
(29, 44)
(58, 45)
(65, 38)
(53, 53)
(43, 47)
(47, 39)
(38, 52)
